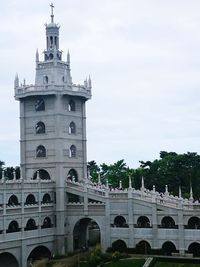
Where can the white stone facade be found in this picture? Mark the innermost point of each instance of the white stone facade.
(40, 211)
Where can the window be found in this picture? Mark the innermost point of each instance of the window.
(39, 104)
(71, 105)
(30, 199)
(13, 201)
(30, 225)
(43, 175)
(46, 198)
(72, 175)
(72, 128)
(72, 152)
(13, 227)
(46, 79)
(40, 128)
(40, 152)
(47, 223)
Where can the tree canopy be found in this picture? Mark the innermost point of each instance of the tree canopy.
(172, 169)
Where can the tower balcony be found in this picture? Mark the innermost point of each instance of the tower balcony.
(52, 89)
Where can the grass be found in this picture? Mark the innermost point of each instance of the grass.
(175, 264)
(126, 263)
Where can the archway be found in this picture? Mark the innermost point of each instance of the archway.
(86, 233)
(30, 199)
(30, 225)
(193, 223)
(194, 248)
(168, 222)
(40, 252)
(120, 221)
(143, 222)
(119, 245)
(46, 199)
(13, 227)
(13, 201)
(43, 175)
(46, 223)
(7, 259)
(168, 248)
(143, 247)
(72, 175)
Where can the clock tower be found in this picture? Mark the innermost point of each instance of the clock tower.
(53, 122)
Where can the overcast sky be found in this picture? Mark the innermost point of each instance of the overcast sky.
(144, 60)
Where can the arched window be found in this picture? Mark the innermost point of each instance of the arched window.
(46, 79)
(56, 41)
(40, 152)
(40, 128)
(72, 174)
(72, 151)
(13, 201)
(143, 222)
(71, 105)
(120, 221)
(46, 198)
(168, 222)
(63, 78)
(47, 223)
(39, 104)
(13, 227)
(30, 225)
(51, 41)
(30, 199)
(72, 128)
(194, 248)
(43, 175)
(50, 56)
(194, 223)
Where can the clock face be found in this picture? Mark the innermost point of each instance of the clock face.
(39, 104)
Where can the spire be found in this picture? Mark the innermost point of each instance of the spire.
(86, 83)
(166, 190)
(16, 80)
(142, 183)
(68, 57)
(130, 182)
(89, 83)
(180, 193)
(191, 193)
(52, 15)
(37, 56)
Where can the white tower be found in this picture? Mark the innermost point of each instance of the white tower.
(53, 122)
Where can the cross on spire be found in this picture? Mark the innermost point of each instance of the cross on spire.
(52, 15)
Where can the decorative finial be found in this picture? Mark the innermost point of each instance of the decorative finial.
(180, 193)
(191, 193)
(142, 185)
(89, 83)
(99, 178)
(166, 190)
(37, 56)
(154, 188)
(68, 57)
(120, 184)
(16, 80)
(52, 15)
(130, 182)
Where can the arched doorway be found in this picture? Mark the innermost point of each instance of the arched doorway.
(168, 248)
(40, 252)
(7, 259)
(194, 248)
(119, 245)
(86, 234)
(143, 248)
(194, 223)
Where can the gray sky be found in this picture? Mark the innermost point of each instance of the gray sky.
(144, 60)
